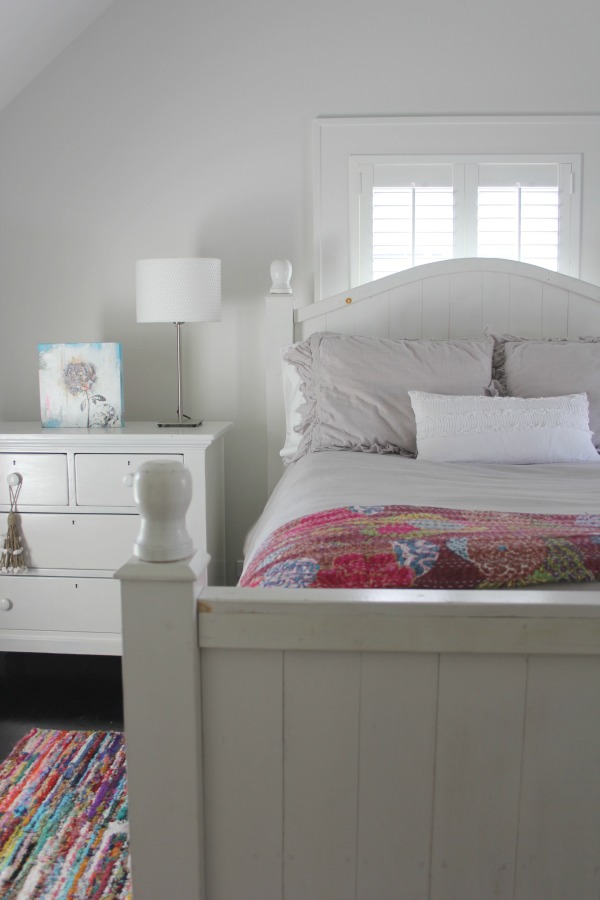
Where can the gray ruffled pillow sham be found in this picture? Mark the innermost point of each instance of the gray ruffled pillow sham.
(529, 367)
(356, 388)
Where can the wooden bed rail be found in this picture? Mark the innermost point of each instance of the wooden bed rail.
(401, 621)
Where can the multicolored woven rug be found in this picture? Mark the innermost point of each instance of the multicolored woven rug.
(63, 817)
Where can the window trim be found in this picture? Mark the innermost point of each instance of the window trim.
(336, 139)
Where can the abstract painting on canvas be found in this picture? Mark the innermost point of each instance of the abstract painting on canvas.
(81, 385)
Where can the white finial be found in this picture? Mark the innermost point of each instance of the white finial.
(162, 490)
(281, 272)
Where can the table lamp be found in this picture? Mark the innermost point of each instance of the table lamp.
(178, 291)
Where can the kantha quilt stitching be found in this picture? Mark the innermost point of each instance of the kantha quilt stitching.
(428, 547)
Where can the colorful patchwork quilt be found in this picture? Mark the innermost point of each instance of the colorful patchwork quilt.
(427, 547)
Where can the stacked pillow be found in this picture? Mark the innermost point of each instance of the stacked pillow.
(355, 389)
(524, 367)
(494, 399)
(513, 430)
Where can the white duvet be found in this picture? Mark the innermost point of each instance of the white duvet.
(330, 479)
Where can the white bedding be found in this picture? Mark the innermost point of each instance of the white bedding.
(329, 479)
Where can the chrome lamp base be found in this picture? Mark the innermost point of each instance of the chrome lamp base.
(180, 423)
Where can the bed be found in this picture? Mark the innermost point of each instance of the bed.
(311, 739)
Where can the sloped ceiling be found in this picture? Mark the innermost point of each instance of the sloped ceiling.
(35, 32)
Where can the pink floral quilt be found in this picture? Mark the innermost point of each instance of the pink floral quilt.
(427, 547)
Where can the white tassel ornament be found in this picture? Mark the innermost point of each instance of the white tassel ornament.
(13, 562)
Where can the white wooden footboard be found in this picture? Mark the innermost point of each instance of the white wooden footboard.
(372, 745)
(353, 745)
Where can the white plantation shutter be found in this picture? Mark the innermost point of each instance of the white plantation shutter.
(519, 223)
(518, 213)
(408, 216)
(422, 209)
(411, 226)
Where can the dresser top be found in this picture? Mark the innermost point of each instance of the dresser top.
(32, 433)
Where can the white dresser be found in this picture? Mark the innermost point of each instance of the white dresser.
(78, 522)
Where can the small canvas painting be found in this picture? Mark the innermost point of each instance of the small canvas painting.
(81, 385)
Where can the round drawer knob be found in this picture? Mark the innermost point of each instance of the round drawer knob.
(14, 479)
(5, 603)
(128, 479)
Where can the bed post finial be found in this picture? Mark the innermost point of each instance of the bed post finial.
(281, 273)
(162, 490)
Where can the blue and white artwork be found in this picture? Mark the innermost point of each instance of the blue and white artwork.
(81, 385)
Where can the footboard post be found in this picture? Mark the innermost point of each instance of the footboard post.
(161, 690)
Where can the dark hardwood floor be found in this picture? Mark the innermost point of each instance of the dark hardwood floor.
(47, 690)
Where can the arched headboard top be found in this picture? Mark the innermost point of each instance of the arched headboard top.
(449, 269)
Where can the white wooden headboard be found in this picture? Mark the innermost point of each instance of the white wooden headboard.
(449, 299)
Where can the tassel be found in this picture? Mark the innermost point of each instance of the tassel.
(13, 561)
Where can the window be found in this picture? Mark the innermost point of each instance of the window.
(412, 210)
(496, 170)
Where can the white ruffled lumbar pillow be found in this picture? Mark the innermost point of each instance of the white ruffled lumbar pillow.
(503, 429)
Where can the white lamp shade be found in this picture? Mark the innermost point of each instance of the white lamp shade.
(178, 290)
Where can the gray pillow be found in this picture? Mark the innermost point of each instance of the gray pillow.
(525, 367)
(356, 388)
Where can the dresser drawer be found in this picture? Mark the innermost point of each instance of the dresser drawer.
(44, 478)
(54, 541)
(59, 604)
(99, 477)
